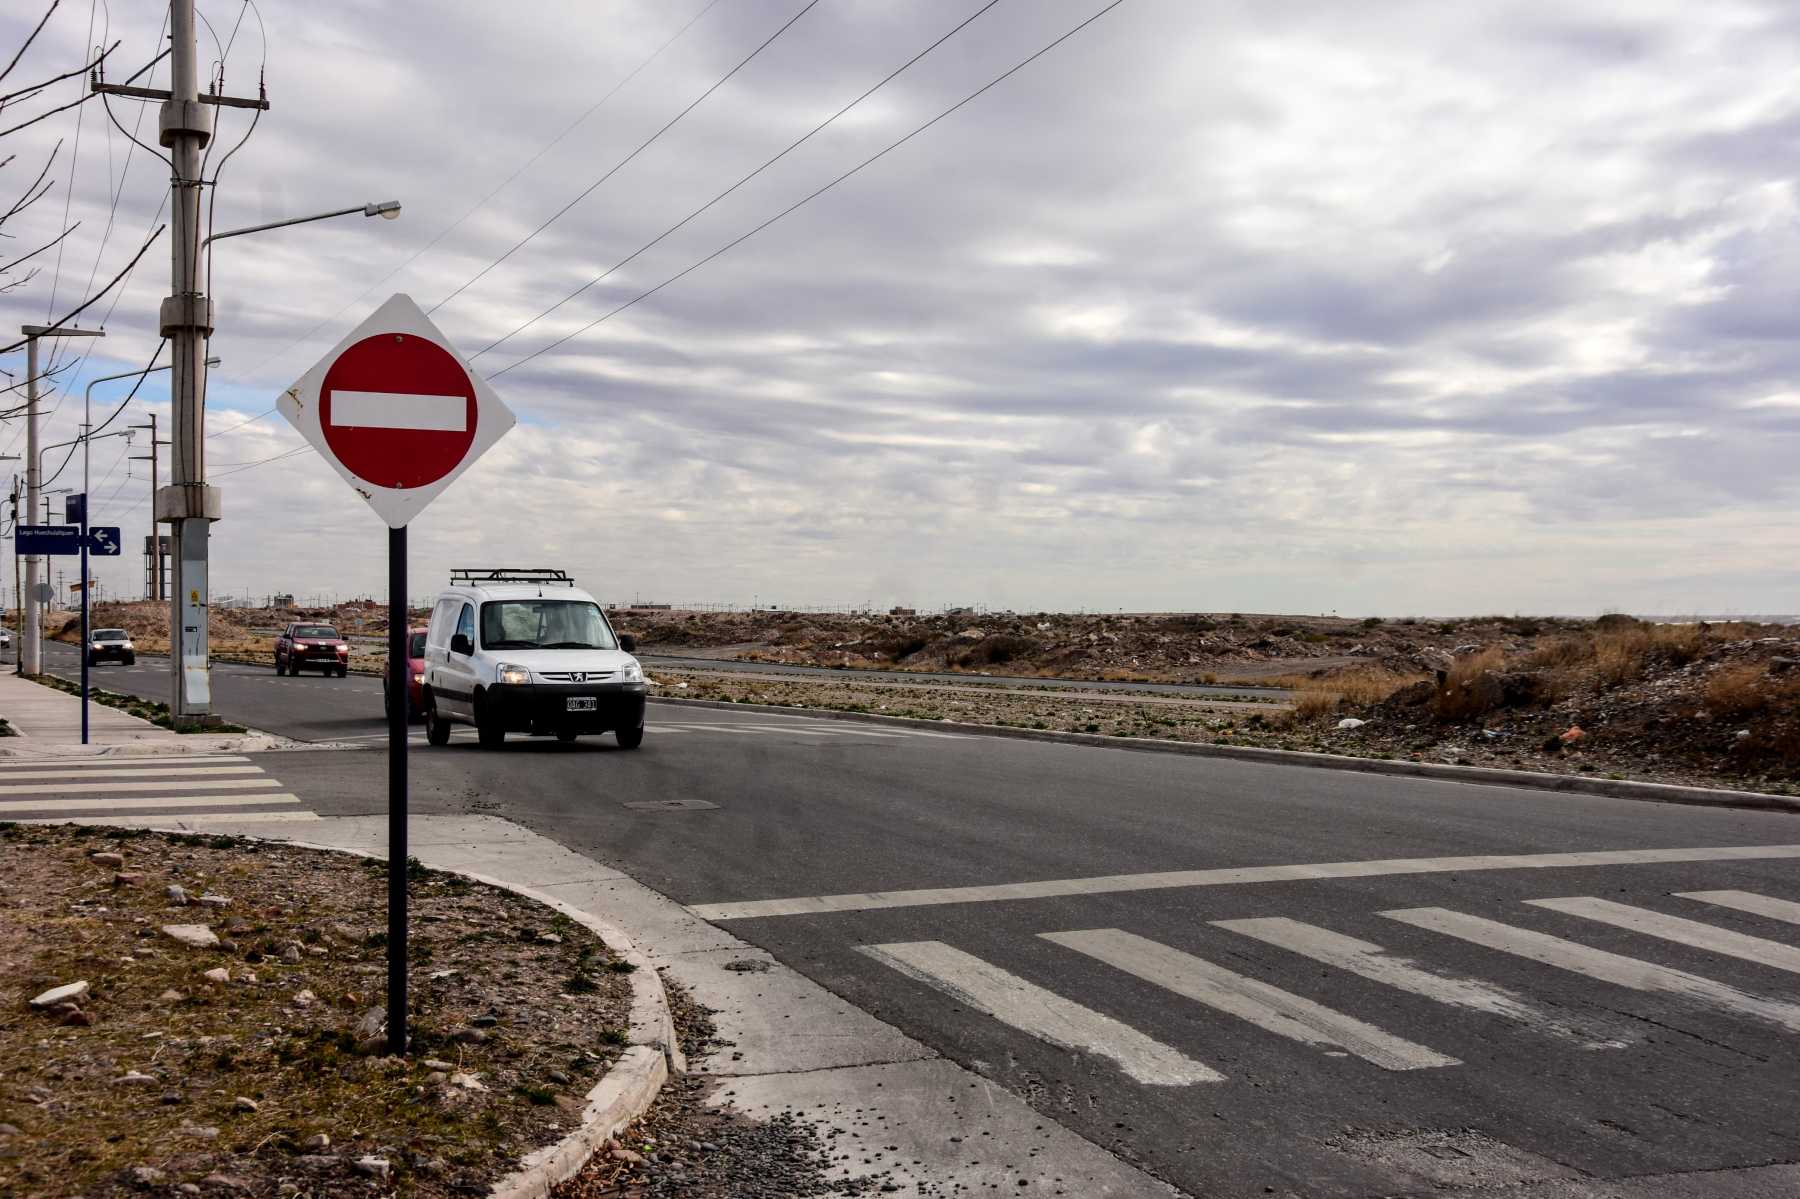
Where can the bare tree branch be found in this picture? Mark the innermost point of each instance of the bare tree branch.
(82, 99)
(28, 257)
(27, 200)
(82, 70)
(78, 309)
(29, 40)
(16, 283)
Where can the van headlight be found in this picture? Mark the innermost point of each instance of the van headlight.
(633, 673)
(513, 676)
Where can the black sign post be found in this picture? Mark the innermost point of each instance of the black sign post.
(399, 683)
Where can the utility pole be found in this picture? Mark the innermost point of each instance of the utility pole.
(156, 555)
(30, 645)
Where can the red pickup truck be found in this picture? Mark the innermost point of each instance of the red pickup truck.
(304, 646)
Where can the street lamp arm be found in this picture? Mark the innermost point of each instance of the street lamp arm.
(384, 208)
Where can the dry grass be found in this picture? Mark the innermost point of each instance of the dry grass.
(1465, 695)
(1310, 704)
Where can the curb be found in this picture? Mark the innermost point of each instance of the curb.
(627, 1090)
(1479, 775)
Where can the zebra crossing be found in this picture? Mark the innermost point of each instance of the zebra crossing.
(177, 791)
(1063, 1022)
(818, 729)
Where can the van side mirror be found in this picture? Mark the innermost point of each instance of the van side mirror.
(460, 644)
(628, 643)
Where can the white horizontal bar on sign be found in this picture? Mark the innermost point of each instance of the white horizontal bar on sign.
(396, 410)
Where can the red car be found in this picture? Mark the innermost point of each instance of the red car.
(303, 645)
(415, 684)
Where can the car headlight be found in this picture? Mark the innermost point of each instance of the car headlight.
(341, 648)
(513, 675)
(633, 673)
(418, 676)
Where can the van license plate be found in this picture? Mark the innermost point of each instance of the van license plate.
(579, 703)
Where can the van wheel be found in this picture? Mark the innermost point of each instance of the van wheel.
(631, 738)
(437, 729)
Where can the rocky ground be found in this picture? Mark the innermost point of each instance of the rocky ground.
(170, 1065)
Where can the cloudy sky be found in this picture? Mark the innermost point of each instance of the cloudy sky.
(1261, 305)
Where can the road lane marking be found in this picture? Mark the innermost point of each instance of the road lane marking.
(1269, 1008)
(1366, 959)
(813, 905)
(1040, 1013)
(131, 772)
(175, 785)
(184, 819)
(170, 763)
(1681, 931)
(1599, 964)
(1748, 901)
(164, 802)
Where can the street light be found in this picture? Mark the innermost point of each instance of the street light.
(386, 209)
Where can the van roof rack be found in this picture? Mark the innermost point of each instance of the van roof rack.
(482, 576)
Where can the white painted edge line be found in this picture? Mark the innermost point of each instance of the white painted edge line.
(814, 905)
(111, 804)
(399, 410)
(141, 785)
(1039, 1013)
(118, 761)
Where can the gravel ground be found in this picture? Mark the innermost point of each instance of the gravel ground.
(255, 1066)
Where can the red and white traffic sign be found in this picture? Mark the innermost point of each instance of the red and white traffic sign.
(395, 411)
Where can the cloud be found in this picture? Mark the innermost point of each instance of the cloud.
(1279, 306)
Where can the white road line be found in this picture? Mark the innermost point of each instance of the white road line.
(1375, 963)
(1681, 931)
(183, 820)
(164, 802)
(813, 905)
(175, 785)
(132, 772)
(170, 763)
(1748, 901)
(1269, 1008)
(1043, 1014)
(1599, 964)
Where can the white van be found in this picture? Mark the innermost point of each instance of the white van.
(526, 651)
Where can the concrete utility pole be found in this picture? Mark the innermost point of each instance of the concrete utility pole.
(156, 557)
(188, 505)
(30, 644)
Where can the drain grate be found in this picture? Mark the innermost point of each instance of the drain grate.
(669, 805)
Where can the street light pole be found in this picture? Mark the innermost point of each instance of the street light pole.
(30, 646)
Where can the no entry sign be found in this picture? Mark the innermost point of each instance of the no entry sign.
(395, 411)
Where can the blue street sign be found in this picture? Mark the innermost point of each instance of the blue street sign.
(75, 509)
(50, 539)
(104, 541)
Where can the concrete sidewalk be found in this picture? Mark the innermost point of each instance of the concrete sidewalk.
(48, 724)
(793, 1046)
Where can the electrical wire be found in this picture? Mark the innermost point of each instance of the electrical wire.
(74, 167)
(241, 467)
(882, 153)
(91, 433)
(790, 148)
(620, 165)
(240, 425)
(485, 200)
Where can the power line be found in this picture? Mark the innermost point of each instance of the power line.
(892, 146)
(791, 147)
(241, 467)
(620, 165)
(240, 425)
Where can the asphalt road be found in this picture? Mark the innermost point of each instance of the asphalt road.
(1246, 979)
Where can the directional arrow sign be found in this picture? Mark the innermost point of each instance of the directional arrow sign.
(396, 411)
(104, 541)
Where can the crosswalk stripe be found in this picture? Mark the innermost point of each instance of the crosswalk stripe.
(169, 763)
(1267, 1007)
(157, 785)
(132, 772)
(1679, 930)
(1375, 963)
(1748, 901)
(123, 803)
(178, 819)
(1043, 1014)
(1598, 963)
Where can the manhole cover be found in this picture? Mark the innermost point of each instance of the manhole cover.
(669, 805)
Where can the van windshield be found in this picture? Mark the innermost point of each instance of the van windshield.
(544, 624)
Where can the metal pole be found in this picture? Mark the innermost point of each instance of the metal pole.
(399, 686)
(188, 505)
(29, 659)
(85, 588)
(155, 529)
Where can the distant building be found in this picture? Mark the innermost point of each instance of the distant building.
(903, 611)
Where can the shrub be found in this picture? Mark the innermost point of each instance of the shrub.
(1316, 703)
(1469, 691)
(1739, 691)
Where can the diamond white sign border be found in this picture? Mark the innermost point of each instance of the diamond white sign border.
(395, 505)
